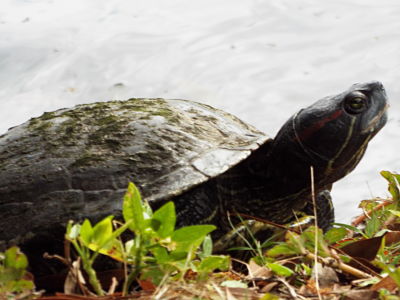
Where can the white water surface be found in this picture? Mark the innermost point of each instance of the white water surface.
(260, 60)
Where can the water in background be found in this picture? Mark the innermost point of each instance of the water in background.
(260, 60)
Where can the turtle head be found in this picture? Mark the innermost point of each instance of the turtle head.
(334, 131)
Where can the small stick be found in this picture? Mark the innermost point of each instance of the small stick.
(316, 233)
(342, 266)
(357, 221)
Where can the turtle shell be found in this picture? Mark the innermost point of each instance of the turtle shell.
(76, 163)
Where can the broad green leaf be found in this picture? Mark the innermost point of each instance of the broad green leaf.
(86, 232)
(23, 285)
(335, 234)
(16, 262)
(132, 209)
(281, 250)
(10, 257)
(102, 232)
(214, 262)
(192, 233)
(190, 237)
(111, 246)
(349, 227)
(161, 254)
(178, 255)
(279, 269)
(14, 258)
(163, 220)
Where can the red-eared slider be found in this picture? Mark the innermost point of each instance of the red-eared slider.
(76, 163)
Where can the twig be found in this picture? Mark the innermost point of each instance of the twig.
(342, 266)
(291, 289)
(316, 233)
(113, 286)
(357, 221)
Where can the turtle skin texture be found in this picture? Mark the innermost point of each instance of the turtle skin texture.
(76, 163)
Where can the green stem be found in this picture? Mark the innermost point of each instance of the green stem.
(138, 260)
(93, 278)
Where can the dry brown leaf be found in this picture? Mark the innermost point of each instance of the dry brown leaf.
(256, 271)
(366, 248)
(147, 285)
(361, 295)
(392, 237)
(74, 279)
(268, 287)
(327, 276)
(385, 283)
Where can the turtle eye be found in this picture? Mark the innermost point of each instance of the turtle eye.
(355, 102)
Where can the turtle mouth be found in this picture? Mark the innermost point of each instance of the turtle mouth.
(377, 122)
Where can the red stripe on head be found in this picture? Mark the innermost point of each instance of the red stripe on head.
(306, 133)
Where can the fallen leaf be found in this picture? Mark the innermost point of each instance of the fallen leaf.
(327, 276)
(256, 271)
(385, 283)
(361, 295)
(366, 248)
(392, 237)
(147, 285)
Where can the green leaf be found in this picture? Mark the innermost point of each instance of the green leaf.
(10, 257)
(102, 232)
(86, 232)
(14, 258)
(349, 227)
(372, 225)
(133, 210)
(214, 262)
(163, 220)
(154, 274)
(335, 234)
(161, 254)
(23, 285)
(281, 250)
(190, 237)
(393, 187)
(279, 269)
(178, 255)
(110, 246)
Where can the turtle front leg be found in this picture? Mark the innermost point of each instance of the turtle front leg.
(325, 209)
(261, 231)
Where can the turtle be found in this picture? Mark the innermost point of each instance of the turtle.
(76, 163)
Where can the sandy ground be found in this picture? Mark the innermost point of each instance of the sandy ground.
(261, 60)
